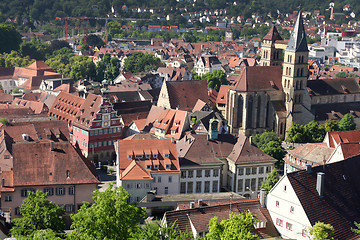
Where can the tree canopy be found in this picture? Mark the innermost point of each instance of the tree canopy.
(38, 214)
(270, 144)
(109, 217)
(155, 231)
(140, 62)
(214, 80)
(315, 132)
(322, 231)
(237, 226)
(10, 38)
(270, 181)
(107, 68)
(347, 123)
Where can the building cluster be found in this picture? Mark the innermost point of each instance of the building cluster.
(181, 149)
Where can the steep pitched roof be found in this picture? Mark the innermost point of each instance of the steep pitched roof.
(184, 94)
(199, 217)
(39, 65)
(135, 172)
(264, 78)
(297, 42)
(35, 164)
(222, 95)
(272, 35)
(245, 152)
(340, 205)
(197, 149)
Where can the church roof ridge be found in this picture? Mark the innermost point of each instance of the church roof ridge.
(297, 42)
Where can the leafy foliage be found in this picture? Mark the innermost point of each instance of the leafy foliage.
(270, 181)
(240, 226)
(155, 231)
(93, 40)
(139, 62)
(14, 59)
(10, 38)
(270, 144)
(214, 79)
(4, 121)
(110, 217)
(108, 68)
(38, 214)
(315, 132)
(322, 231)
(357, 229)
(347, 123)
(35, 48)
(71, 65)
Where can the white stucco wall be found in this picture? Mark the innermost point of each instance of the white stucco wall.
(280, 200)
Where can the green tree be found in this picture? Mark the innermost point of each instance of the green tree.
(270, 181)
(341, 75)
(322, 231)
(10, 38)
(4, 121)
(138, 61)
(109, 217)
(35, 48)
(38, 214)
(347, 123)
(356, 229)
(314, 132)
(14, 59)
(155, 231)
(296, 134)
(239, 226)
(270, 144)
(46, 234)
(93, 40)
(262, 139)
(331, 125)
(215, 79)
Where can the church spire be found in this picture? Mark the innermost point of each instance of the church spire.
(297, 42)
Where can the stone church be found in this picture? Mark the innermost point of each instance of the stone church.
(272, 96)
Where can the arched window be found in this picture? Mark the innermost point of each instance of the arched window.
(298, 72)
(258, 107)
(302, 59)
(297, 84)
(240, 107)
(301, 87)
(299, 59)
(250, 112)
(281, 127)
(287, 71)
(288, 83)
(301, 72)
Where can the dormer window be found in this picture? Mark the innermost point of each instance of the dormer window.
(172, 132)
(148, 167)
(147, 156)
(129, 156)
(155, 155)
(138, 156)
(168, 166)
(156, 167)
(166, 155)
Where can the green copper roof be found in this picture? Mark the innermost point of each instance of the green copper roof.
(297, 42)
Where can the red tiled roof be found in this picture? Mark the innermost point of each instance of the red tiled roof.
(35, 164)
(245, 152)
(158, 147)
(199, 217)
(273, 35)
(340, 205)
(259, 79)
(184, 94)
(222, 96)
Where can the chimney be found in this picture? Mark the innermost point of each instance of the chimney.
(308, 168)
(192, 205)
(52, 146)
(320, 183)
(262, 197)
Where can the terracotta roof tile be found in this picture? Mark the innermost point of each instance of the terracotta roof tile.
(340, 205)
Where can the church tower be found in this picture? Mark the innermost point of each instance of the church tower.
(270, 56)
(294, 77)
